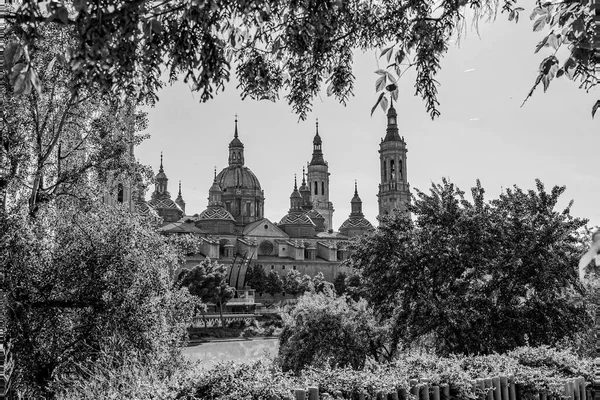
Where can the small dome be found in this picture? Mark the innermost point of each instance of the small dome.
(165, 203)
(216, 213)
(356, 222)
(237, 176)
(314, 214)
(296, 219)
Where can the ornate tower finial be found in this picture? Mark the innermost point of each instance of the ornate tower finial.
(355, 188)
(179, 188)
(161, 169)
(303, 177)
(317, 126)
(215, 178)
(295, 184)
(236, 130)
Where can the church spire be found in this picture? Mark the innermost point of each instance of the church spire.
(295, 198)
(179, 200)
(215, 192)
(236, 148)
(160, 189)
(356, 203)
(317, 156)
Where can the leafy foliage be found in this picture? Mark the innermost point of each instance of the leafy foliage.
(274, 283)
(83, 282)
(208, 282)
(292, 282)
(477, 277)
(323, 329)
(339, 283)
(56, 141)
(256, 278)
(293, 47)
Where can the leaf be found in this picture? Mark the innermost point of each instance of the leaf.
(330, 89)
(377, 102)
(9, 54)
(595, 108)
(394, 94)
(381, 72)
(385, 51)
(156, 25)
(35, 81)
(511, 15)
(539, 24)
(22, 83)
(400, 54)
(384, 104)
(541, 44)
(15, 72)
(380, 83)
(560, 73)
(553, 41)
(537, 11)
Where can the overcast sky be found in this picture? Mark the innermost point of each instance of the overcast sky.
(483, 132)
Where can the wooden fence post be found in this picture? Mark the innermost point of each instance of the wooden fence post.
(300, 394)
(496, 385)
(512, 390)
(313, 393)
(435, 393)
(504, 387)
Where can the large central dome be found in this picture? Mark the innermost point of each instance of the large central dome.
(242, 195)
(238, 177)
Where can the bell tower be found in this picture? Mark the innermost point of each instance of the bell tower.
(318, 181)
(394, 190)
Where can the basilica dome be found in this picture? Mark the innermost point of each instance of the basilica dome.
(237, 176)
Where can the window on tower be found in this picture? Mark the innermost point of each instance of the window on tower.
(248, 209)
(322, 187)
(120, 193)
(392, 170)
(384, 167)
(316, 187)
(400, 169)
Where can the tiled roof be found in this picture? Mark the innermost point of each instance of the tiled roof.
(216, 213)
(164, 203)
(142, 208)
(296, 219)
(356, 222)
(314, 214)
(181, 227)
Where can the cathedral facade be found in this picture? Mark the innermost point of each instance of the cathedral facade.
(233, 227)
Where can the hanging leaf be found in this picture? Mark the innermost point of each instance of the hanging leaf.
(10, 54)
(541, 44)
(380, 83)
(395, 94)
(400, 54)
(381, 72)
(381, 96)
(35, 81)
(384, 104)
(595, 108)
(386, 51)
(553, 41)
(539, 24)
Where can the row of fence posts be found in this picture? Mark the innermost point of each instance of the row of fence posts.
(496, 388)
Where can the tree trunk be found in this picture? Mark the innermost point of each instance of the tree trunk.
(221, 314)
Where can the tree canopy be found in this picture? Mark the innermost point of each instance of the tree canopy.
(288, 47)
(477, 276)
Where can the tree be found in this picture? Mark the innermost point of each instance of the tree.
(321, 285)
(274, 283)
(208, 282)
(83, 282)
(276, 47)
(322, 328)
(292, 282)
(306, 284)
(339, 283)
(55, 141)
(477, 277)
(256, 278)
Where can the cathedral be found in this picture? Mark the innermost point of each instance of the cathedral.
(233, 227)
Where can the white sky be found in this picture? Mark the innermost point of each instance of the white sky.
(482, 132)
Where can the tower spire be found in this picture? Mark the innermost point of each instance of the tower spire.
(236, 129)
(303, 177)
(317, 127)
(295, 184)
(161, 169)
(355, 188)
(179, 189)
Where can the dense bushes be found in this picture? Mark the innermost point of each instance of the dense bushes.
(535, 369)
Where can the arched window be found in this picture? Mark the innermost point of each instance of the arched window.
(384, 167)
(316, 187)
(400, 174)
(392, 170)
(322, 187)
(120, 193)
